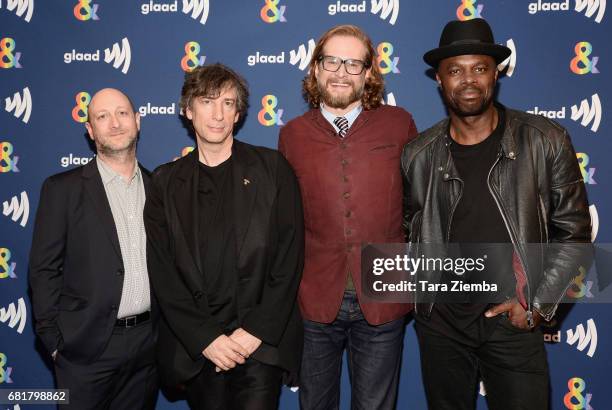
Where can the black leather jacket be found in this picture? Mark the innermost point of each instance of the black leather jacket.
(538, 188)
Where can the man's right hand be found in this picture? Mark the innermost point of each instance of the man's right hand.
(225, 353)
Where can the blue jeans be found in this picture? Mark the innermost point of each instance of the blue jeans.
(374, 356)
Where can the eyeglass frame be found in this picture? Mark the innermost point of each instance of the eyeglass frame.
(366, 65)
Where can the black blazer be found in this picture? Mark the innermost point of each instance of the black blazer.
(270, 257)
(76, 269)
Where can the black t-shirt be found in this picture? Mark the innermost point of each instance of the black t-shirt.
(218, 241)
(476, 222)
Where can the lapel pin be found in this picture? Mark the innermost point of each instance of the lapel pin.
(246, 181)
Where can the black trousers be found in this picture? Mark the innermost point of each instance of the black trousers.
(124, 377)
(511, 363)
(250, 386)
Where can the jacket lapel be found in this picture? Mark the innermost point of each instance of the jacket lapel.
(97, 194)
(187, 206)
(245, 191)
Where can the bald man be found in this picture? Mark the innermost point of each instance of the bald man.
(88, 271)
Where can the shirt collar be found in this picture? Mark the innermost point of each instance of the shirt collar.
(350, 116)
(108, 174)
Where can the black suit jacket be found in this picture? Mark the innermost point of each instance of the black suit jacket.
(76, 269)
(269, 261)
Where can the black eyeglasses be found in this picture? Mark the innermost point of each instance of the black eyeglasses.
(352, 66)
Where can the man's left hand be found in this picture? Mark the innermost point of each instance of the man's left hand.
(244, 339)
(516, 314)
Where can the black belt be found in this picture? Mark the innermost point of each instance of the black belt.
(131, 321)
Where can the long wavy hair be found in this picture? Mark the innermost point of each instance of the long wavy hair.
(375, 84)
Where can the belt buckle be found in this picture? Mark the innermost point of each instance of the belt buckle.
(130, 321)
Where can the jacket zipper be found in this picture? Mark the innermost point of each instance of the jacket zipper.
(499, 207)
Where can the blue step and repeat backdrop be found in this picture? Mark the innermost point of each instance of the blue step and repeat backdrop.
(55, 54)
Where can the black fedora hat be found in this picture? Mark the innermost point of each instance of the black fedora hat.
(466, 37)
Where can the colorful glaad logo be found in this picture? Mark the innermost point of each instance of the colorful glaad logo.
(581, 64)
(468, 10)
(85, 11)
(15, 316)
(575, 399)
(271, 12)
(384, 61)
(20, 7)
(184, 151)
(588, 173)
(18, 209)
(7, 268)
(267, 115)
(8, 161)
(192, 57)
(5, 371)
(79, 111)
(20, 105)
(580, 288)
(9, 58)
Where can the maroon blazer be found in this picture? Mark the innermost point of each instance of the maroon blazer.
(352, 194)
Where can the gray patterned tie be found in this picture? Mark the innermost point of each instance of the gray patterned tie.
(343, 125)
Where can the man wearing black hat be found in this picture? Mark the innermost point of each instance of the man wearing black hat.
(491, 175)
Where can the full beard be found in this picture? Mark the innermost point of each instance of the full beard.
(339, 101)
(455, 104)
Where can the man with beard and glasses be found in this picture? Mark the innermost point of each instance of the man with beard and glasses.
(492, 175)
(345, 152)
(90, 285)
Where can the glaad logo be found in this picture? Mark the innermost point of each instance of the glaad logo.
(8, 269)
(588, 6)
(390, 100)
(71, 159)
(85, 11)
(119, 55)
(581, 64)
(587, 114)
(591, 7)
(574, 400)
(192, 59)
(20, 105)
(259, 58)
(303, 55)
(467, 11)
(584, 339)
(509, 64)
(384, 61)
(267, 116)
(197, 8)
(594, 222)
(7, 58)
(5, 371)
(386, 8)
(17, 209)
(149, 109)
(79, 112)
(271, 13)
(579, 287)
(8, 164)
(588, 174)
(20, 7)
(15, 316)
